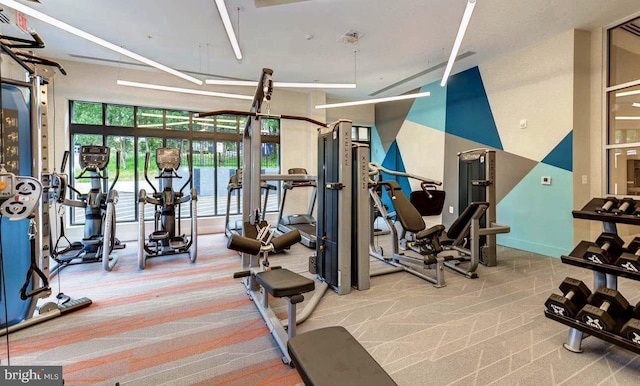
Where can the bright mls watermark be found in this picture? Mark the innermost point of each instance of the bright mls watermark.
(31, 375)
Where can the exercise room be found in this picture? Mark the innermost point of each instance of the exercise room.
(320, 192)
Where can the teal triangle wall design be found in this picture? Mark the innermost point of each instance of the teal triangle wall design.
(562, 155)
(430, 111)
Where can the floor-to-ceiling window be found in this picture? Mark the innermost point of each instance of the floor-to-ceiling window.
(623, 101)
(212, 145)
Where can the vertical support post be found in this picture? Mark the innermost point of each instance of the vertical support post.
(40, 170)
(251, 145)
(361, 223)
(344, 206)
(490, 259)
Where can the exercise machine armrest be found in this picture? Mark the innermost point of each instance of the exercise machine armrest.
(494, 229)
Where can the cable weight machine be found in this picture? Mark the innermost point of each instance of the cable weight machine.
(25, 191)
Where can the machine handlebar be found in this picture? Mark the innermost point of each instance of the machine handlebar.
(375, 169)
(147, 159)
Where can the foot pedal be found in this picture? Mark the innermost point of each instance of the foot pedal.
(177, 243)
(159, 235)
(74, 305)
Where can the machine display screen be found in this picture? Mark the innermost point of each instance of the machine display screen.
(94, 157)
(168, 158)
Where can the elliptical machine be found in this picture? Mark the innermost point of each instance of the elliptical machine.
(166, 238)
(99, 209)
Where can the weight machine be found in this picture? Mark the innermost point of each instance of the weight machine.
(477, 182)
(99, 209)
(166, 238)
(25, 191)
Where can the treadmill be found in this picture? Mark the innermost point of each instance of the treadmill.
(305, 223)
(235, 185)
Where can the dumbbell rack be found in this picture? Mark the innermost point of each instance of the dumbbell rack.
(603, 275)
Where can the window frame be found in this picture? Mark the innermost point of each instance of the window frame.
(607, 90)
(165, 133)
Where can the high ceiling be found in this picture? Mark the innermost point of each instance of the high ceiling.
(300, 39)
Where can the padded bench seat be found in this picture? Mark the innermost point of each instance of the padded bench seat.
(282, 282)
(332, 356)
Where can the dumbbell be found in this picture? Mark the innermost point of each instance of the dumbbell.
(575, 297)
(609, 203)
(627, 206)
(606, 305)
(630, 261)
(631, 329)
(608, 249)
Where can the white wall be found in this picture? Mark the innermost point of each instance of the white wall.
(96, 82)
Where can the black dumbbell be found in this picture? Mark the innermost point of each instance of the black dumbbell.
(630, 261)
(606, 305)
(575, 297)
(608, 249)
(627, 206)
(631, 329)
(609, 204)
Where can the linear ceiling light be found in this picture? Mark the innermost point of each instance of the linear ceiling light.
(627, 93)
(183, 90)
(636, 104)
(628, 118)
(87, 36)
(279, 84)
(458, 42)
(224, 15)
(378, 100)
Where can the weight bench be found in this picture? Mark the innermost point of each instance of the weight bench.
(282, 283)
(277, 282)
(332, 356)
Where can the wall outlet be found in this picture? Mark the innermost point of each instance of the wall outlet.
(451, 209)
(523, 123)
(584, 179)
(545, 181)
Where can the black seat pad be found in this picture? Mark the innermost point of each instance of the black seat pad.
(464, 220)
(332, 356)
(282, 282)
(434, 230)
(408, 215)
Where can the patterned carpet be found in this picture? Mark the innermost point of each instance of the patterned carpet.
(177, 323)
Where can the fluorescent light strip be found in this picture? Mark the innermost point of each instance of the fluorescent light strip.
(183, 90)
(224, 15)
(636, 104)
(458, 42)
(280, 84)
(166, 124)
(627, 93)
(627, 118)
(87, 36)
(378, 100)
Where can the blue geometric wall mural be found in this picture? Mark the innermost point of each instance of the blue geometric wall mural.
(562, 155)
(462, 109)
(430, 111)
(393, 161)
(377, 151)
(468, 112)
